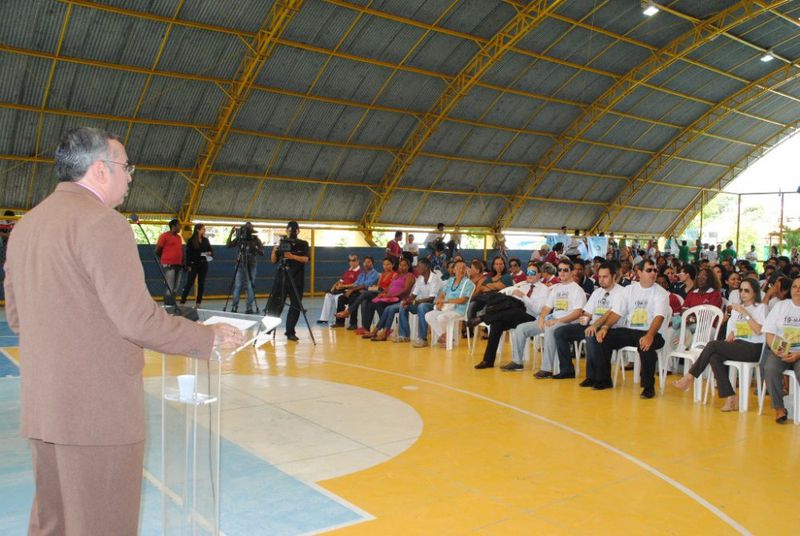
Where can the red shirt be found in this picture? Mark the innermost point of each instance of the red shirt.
(171, 247)
(695, 297)
(350, 276)
(393, 249)
(386, 278)
(520, 277)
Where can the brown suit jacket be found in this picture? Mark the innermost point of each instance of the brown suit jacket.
(75, 293)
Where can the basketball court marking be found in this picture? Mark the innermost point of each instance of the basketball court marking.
(636, 461)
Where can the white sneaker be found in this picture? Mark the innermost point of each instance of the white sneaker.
(419, 343)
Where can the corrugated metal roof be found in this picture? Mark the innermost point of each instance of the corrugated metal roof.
(389, 58)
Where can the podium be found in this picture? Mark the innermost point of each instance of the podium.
(191, 403)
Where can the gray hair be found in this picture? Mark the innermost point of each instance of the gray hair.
(548, 268)
(79, 149)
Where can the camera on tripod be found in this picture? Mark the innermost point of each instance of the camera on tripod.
(285, 245)
(244, 233)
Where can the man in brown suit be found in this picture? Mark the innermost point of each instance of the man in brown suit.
(75, 293)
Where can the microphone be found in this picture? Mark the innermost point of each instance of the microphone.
(189, 313)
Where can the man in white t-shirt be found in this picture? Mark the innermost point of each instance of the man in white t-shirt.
(602, 301)
(782, 321)
(564, 305)
(646, 311)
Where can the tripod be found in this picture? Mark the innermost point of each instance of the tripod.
(242, 262)
(284, 275)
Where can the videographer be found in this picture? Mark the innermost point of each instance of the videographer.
(249, 246)
(292, 253)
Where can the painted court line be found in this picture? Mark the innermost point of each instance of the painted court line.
(636, 461)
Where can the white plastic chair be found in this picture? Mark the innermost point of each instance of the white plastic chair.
(745, 372)
(580, 346)
(630, 354)
(794, 395)
(453, 334)
(708, 321)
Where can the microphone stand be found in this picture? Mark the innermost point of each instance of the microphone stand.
(186, 312)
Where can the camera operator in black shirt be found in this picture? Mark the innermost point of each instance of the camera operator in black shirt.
(293, 254)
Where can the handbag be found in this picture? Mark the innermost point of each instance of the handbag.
(500, 303)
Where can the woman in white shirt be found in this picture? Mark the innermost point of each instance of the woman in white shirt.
(784, 322)
(742, 343)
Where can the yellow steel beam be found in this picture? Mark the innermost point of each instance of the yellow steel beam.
(159, 53)
(700, 34)
(45, 98)
(743, 97)
(523, 21)
(258, 50)
(686, 216)
(221, 82)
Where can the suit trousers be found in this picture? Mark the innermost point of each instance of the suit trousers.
(82, 490)
(565, 336)
(508, 319)
(621, 337)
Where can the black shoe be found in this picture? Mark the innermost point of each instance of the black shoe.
(292, 337)
(588, 382)
(234, 309)
(513, 367)
(352, 328)
(564, 375)
(322, 322)
(472, 322)
(483, 365)
(542, 374)
(648, 392)
(599, 386)
(248, 312)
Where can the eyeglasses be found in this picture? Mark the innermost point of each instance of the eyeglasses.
(129, 168)
(532, 272)
(650, 270)
(564, 270)
(745, 289)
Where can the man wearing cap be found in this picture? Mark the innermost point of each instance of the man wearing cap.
(294, 259)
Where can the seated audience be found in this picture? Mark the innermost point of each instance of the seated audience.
(595, 313)
(397, 291)
(515, 270)
(367, 279)
(426, 288)
(531, 295)
(564, 305)
(743, 342)
(344, 283)
(499, 278)
(451, 303)
(783, 321)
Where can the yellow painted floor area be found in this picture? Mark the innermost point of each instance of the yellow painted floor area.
(503, 453)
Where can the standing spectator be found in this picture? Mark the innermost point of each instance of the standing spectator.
(728, 253)
(434, 240)
(411, 250)
(198, 253)
(454, 244)
(5, 231)
(169, 250)
(683, 252)
(751, 256)
(712, 254)
(393, 249)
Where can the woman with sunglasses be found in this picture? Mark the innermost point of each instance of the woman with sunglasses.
(743, 342)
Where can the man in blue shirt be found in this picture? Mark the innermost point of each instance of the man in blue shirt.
(367, 278)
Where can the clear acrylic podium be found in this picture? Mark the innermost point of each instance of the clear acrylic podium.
(190, 430)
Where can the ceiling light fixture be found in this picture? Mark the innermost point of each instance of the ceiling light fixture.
(649, 8)
(767, 57)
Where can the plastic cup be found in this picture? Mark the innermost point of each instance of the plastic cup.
(186, 384)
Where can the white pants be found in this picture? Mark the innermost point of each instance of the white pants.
(328, 307)
(437, 320)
